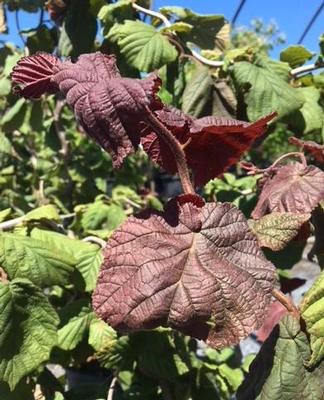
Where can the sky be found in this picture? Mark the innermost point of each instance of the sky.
(291, 16)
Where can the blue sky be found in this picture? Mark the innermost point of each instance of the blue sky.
(291, 16)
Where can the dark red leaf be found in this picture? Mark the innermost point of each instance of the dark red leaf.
(195, 267)
(315, 149)
(292, 188)
(214, 143)
(275, 313)
(31, 77)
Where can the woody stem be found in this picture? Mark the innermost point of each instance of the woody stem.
(285, 301)
(176, 148)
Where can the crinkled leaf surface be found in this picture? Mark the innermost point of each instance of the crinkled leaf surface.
(292, 188)
(75, 321)
(25, 257)
(143, 46)
(312, 311)
(277, 229)
(315, 149)
(268, 90)
(215, 143)
(278, 372)
(27, 329)
(196, 268)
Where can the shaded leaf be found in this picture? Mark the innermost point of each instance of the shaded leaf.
(275, 313)
(295, 56)
(213, 144)
(172, 269)
(292, 188)
(101, 335)
(75, 321)
(24, 257)
(197, 92)
(109, 14)
(264, 90)
(143, 46)
(312, 311)
(40, 39)
(277, 229)
(48, 211)
(278, 371)
(27, 329)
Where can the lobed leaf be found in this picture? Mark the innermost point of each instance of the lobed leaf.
(195, 267)
(27, 329)
(315, 149)
(312, 311)
(277, 229)
(291, 188)
(278, 372)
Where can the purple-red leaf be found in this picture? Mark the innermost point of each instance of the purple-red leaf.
(292, 188)
(315, 149)
(211, 144)
(195, 267)
(32, 75)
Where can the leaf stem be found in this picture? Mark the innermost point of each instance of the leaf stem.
(306, 68)
(176, 149)
(286, 302)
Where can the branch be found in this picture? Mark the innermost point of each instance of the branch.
(111, 390)
(176, 148)
(95, 239)
(167, 23)
(306, 68)
(11, 223)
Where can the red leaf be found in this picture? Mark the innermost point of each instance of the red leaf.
(195, 267)
(275, 313)
(292, 188)
(31, 77)
(215, 143)
(315, 149)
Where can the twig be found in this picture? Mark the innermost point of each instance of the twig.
(95, 239)
(285, 301)
(306, 68)
(11, 223)
(176, 148)
(111, 389)
(59, 128)
(168, 24)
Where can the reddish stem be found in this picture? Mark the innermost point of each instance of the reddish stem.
(176, 149)
(286, 302)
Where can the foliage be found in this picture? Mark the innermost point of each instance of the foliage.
(78, 167)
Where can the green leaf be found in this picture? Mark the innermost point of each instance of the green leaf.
(295, 56)
(264, 90)
(78, 31)
(27, 329)
(276, 230)
(4, 214)
(99, 214)
(24, 257)
(22, 391)
(197, 92)
(204, 27)
(233, 376)
(5, 145)
(117, 12)
(101, 335)
(310, 117)
(278, 372)
(312, 311)
(87, 256)
(178, 27)
(142, 45)
(41, 39)
(75, 322)
(14, 116)
(48, 212)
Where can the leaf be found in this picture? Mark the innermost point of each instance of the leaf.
(24, 257)
(204, 27)
(99, 214)
(48, 212)
(31, 77)
(310, 117)
(268, 92)
(14, 116)
(109, 14)
(4, 214)
(40, 39)
(101, 335)
(22, 391)
(278, 371)
(197, 92)
(277, 229)
(173, 268)
(87, 256)
(142, 45)
(5, 145)
(212, 144)
(312, 312)
(27, 330)
(292, 188)
(315, 149)
(295, 56)
(78, 31)
(75, 321)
